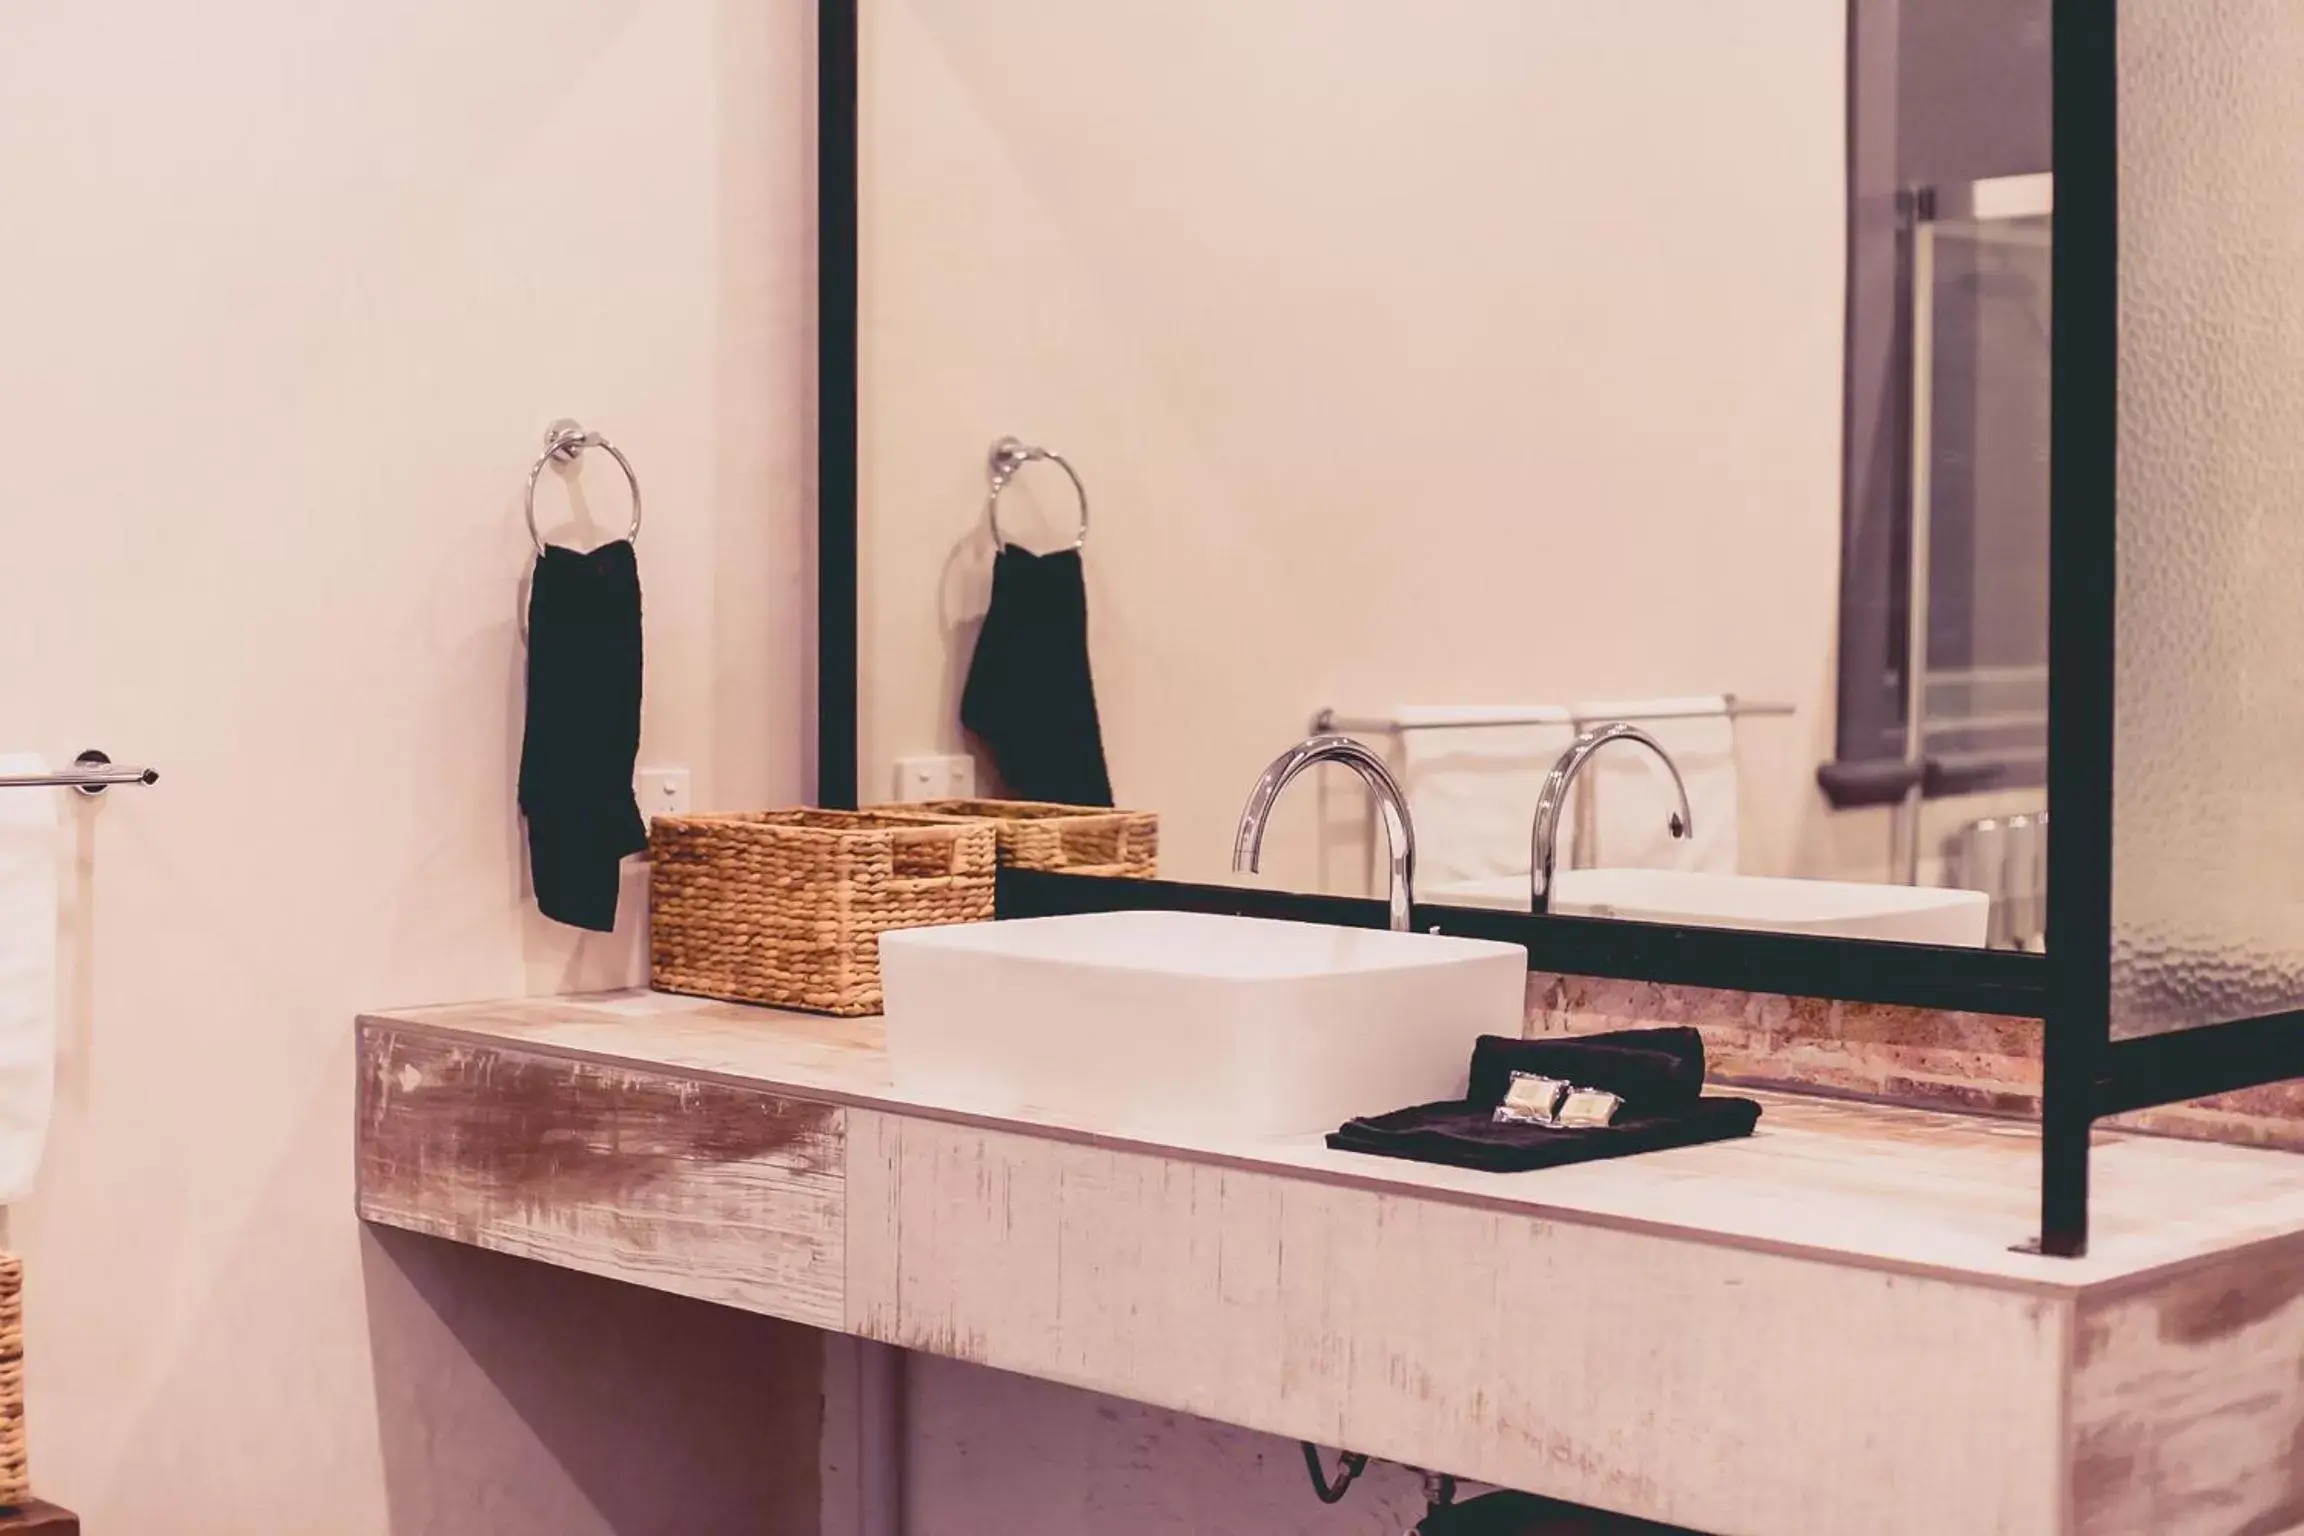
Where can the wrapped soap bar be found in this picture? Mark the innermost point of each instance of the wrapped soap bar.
(1531, 1099)
(1587, 1109)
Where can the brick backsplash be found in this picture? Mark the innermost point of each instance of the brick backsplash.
(1928, 1057)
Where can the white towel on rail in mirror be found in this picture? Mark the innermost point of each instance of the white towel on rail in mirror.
(28, 869)
(1627, 796)
(1472, 787)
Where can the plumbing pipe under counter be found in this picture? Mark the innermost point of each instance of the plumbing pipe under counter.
(1817, 1330)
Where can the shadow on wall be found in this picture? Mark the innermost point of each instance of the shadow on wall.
(614, 1410)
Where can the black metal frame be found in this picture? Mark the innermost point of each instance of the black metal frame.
(2082, 438)
(2086, 1074)
(836, 684)
(1865, 969)
(1915, 975)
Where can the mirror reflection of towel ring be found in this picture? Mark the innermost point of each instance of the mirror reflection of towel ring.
(565, 441)
(1009, 456)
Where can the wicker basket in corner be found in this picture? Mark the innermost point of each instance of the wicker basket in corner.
(15, 1478)
(787, 907)
(1072, 839)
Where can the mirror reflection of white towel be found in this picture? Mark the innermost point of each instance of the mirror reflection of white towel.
(28, 852)
(1472, 787)
(1631, 796)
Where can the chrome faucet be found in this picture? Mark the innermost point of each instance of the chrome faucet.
(1544, 838)
(1391, 804)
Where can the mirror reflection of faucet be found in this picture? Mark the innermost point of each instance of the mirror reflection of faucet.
(1769, 903)
(1400, 827)
(1544, 835)
(1845, 909)
(1391, 806)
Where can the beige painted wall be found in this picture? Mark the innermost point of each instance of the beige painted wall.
(1472, 353)
(290, 291)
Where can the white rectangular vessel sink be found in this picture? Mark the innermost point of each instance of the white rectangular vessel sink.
(1835, 908)
(1188, 1024)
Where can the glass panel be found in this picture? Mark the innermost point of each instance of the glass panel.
(1987, 677)
(2208, 845)
(1977, 577)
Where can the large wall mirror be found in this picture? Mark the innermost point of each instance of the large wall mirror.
(1464, 375)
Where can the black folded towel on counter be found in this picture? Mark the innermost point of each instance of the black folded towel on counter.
(1030, 695)
(1659, 1074)
(583, 730)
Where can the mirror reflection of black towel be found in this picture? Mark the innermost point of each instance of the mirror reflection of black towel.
(1030, 696)
(583, 731)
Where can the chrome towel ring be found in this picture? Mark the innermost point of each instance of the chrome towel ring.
(565, 441)
(1009, 456)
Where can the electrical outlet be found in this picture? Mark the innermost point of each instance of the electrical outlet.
(662, 792)
(935, 778)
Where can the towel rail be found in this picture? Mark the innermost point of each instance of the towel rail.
(1734, 708)
(91, 773)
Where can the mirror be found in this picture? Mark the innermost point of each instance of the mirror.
(1460, 376)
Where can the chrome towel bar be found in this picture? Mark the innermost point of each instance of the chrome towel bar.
(91, 773)
(1735, 708)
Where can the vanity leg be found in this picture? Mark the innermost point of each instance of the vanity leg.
(864, 1433)
(2064, 1133)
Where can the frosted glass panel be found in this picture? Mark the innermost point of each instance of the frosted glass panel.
(2208, 844)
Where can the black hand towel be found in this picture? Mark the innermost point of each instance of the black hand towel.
(1030, 696)
(583, 730)
(1659, 1074)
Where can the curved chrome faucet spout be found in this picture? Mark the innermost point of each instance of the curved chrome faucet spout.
(1391, 805)
(1544, 837)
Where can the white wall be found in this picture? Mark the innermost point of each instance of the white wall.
(290, 290)
(1466, 352)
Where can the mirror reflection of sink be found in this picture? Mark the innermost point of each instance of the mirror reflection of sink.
(1834, 908)
(1182, 1023)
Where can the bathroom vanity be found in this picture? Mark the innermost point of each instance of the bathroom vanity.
(1434, 382)
(1819, 1330)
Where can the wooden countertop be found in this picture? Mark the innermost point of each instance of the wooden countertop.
(1915, 1190)
(1818, 1329)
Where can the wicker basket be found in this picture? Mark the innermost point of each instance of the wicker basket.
(787, 907)
(1073, 839)
(15, 1480)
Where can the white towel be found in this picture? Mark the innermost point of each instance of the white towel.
(1472, 787)
(1628, 796)
(28, 853)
